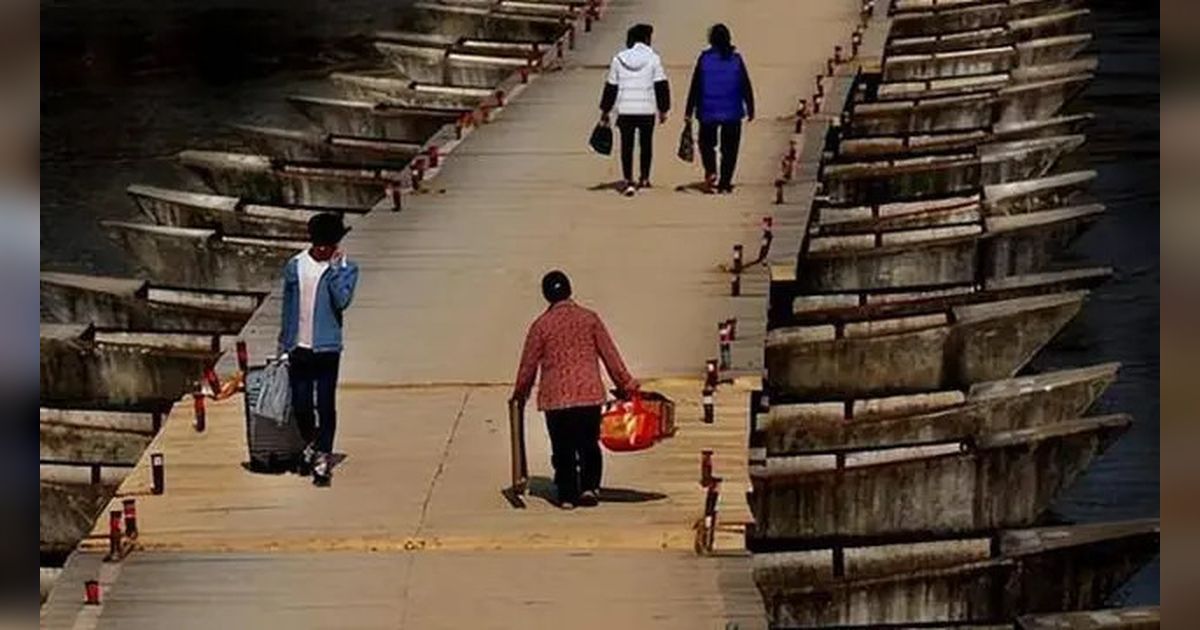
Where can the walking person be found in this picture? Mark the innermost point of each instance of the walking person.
(318, 285)
(720, 96)
(637, 88)
(566, 344)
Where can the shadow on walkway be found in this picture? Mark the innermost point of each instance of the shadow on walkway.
(543, 488)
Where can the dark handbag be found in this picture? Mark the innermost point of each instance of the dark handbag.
(687, 145)
(602, 139)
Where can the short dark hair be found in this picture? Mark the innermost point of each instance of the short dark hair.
(638, 34)
(720, 39)
(556, 286)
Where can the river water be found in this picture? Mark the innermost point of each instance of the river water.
(128, 83)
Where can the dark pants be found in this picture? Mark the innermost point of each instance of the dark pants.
(643, 126)
(314, 373)
(575, 450)
(730, 135)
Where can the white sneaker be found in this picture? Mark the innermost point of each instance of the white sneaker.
(629, 190)
(322, 473)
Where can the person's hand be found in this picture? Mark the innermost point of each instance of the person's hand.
(750, 118)
(605, 119)
(662, 117)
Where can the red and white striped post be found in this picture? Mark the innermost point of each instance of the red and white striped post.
(735, 286)
(129, 507)
(91, 593)
(114, 535)
(243, 356)
(724, 344)
(157, 474)
(200, 421)
(706, 467)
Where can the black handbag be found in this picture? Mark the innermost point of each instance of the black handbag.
(602, 139)
(687, 144)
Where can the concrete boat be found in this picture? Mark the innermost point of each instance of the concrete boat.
(203, 258)
(875, 147)
(86, 367)
(998, 480)
(68, 512)
(481, 21)
(1134, 618)
(385, 86)
(437, 64)
(839, 309)
(1014, 197)
(227, 215)
(952, 349)
(299, 144)
(927, 176)
(990, 407)
(377, 120)
(263, 180)
(145, 424)
(996, 102)
(84, 444)
(940, 257)
(133, 304)
(450, 42)
(965, 580)
(1014, 31)
(935, 20)
(982, 61)
(871, 90)
(1036, 194)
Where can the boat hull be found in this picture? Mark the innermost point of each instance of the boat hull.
(986, 342)
(69, 299)
(990, 407)
(201, 259)
(956, 581)
(361, 119)
(1007, 479)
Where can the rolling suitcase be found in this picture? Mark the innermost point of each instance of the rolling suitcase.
(274, 446)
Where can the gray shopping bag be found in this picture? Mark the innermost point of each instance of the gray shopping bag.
(275, 397)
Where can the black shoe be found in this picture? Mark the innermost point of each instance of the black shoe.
(588, 498)
(725, 189)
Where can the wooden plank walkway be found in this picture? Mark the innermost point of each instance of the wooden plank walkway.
(415, 532)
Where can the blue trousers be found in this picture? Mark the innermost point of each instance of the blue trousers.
(313, 377)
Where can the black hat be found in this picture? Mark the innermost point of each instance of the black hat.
(556, 287)
(326, 229)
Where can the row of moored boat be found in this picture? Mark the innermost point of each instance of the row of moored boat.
(902, 463)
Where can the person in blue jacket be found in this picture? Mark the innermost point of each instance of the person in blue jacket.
(720, 96)
(318, 284)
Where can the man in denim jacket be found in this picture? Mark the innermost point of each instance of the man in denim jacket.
(318, 285)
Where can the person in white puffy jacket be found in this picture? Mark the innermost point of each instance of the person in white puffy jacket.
(637, 88)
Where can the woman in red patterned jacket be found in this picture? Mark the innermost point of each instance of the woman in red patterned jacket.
(567, 343)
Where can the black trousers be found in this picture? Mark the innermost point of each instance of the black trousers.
(730, 135)
(643, 126)
(575, 450)
(314, 375)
